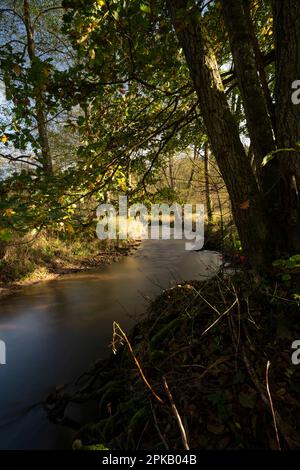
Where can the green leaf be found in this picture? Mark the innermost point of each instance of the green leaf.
(267, 159)
(116, 15)
(5, 235)
(145, 8)
(273, 154)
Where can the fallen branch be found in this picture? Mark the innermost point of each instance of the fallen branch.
(220, 317)
(177, 416)
(123, 336)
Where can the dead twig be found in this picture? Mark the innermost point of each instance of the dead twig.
(177, 416)
(163, 440)
(123, 336)
(220, 317)
(271, 405)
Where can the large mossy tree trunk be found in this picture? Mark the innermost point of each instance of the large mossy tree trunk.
(237, 17)
(255, 105)
(260, 64)
(287, 115)
(247, 202)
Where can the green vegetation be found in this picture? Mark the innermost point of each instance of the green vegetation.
(211, 341)
(164, 101)
(48, 256)
(125, 84)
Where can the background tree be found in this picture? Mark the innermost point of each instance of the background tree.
(32, 48)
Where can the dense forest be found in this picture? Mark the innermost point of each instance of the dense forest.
(163, 101)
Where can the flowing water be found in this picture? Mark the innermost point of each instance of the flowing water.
(54, 330)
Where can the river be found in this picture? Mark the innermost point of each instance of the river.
(54, 330)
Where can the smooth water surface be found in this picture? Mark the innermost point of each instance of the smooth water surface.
(54, 330)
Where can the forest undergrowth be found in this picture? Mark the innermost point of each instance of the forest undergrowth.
(209, 366)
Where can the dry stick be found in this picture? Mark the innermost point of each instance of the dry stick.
(124, 336)
(219, 361)
(173, 406)
(206, 301)
(177, 416)
(260, 388)
(239, 328)
(220, 317)
(250, 369)
(157, 427)
(271, 405)
(142, 435)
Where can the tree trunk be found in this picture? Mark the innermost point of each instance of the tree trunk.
(259, 61)
(41, 117)
(287, 114)
(129, 175)
(246, 57)
(189, 185)
(207, 185)
(255, 106)
(171, 171)
(247, 204)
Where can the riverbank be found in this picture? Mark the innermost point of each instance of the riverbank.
(219, 350)
(49, 257)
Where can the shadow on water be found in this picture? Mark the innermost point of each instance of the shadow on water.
(54, 330)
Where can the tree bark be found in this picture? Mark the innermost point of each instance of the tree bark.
(207, 185)
(255, 106)
(259, 61)
(247, 204)
(189, 185)
(41, 117)
(246, 57)
(171, 171)
(287, 115)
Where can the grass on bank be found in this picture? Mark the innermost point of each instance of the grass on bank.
(49, 255)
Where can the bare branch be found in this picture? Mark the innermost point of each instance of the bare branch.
(19, 159)
(13, 12)
(58, 7)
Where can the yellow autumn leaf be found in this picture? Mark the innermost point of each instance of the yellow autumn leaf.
(69, 228)
(92, 54)
(9, 212)
(4, 139)
(82, 39)
(92, 26)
